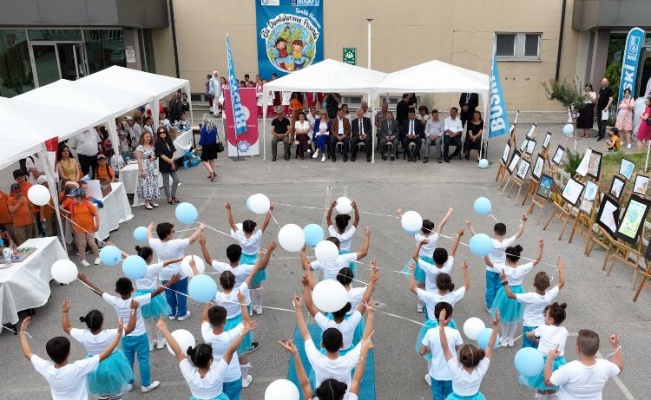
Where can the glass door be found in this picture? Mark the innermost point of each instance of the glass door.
(46, 63)
(52, 61)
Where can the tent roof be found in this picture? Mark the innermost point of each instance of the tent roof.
(154, 85)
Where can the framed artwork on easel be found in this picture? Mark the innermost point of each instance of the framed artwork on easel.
(594, 165)
(626, 169)
(545, 187)
(558, 155)
(589, 196)
(531, 146)
(523, 169)
(538, 167)
(547, 140)
(608, 215)
(505, 154)
(515, 159)
(572, 191)
(632, 222)
(641, 184)
(617, 187)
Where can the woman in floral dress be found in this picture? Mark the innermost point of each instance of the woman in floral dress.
(624, 120)
(147, 188)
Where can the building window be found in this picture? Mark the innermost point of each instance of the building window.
(518, 46)
(15, 68)
(104, 48)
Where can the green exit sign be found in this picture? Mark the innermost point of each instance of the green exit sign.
(350, 55)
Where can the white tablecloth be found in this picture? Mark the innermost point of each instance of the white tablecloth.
(129, 176)
(183, 143)
(26, 284)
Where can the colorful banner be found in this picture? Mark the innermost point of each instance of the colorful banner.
(498, 123)
(630, 61)
(290, 35)
(247, 143)
(238, 113)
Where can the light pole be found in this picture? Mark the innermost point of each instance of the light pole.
(369, 41)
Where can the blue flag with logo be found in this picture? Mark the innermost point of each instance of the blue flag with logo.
(498, 123)
(630, 61)
(238, 112)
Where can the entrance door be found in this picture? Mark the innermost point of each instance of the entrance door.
(46, 64)
(53, 61)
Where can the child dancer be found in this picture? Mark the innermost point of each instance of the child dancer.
(250, 241)
(111, 379)
(67, 380)
(535, 302)
(552, 337)
(344, 236)
(331, 270)
(510, 310)
(137, 342)
(497, 256)
(442, 262)
(469, 370)
(204, 377)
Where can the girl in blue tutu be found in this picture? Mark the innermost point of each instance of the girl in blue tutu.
(511, 310)
(355, 298)
(250, 241)
(469, 369)
(442, 262)
(113, 376)
(549, 336)
(339, 231)
(204, 377)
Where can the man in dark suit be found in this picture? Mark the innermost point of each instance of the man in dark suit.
(339, 132)
(361, 133)
(402, 110)
(388, 134)
(412, 131)
(468, 103)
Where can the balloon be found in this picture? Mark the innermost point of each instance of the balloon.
(281, 389)
(481, 245)
(239, 227)
(484, 336)
(291, 238)
(529, 361)
(39, 195)
(483, 163)
(110, 256)
(184, 339)
(186, 213)
(202, 288)
(326, 252)
(568, 129)
(313, 234)
(140, 234)
(187, 269)
(259, 203)
(483, 206)
(248, 203)
(329, 296)
(411, 221)
(472, 327)
(134, 267)
(64, 271)
(344, 205)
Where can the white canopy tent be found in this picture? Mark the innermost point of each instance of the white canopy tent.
(328, 76)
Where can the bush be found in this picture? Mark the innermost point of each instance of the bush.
(572, 161)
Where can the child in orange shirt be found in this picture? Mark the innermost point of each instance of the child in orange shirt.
(5, 215)
(104, 171)
(18, 206)
(48, 219)
(85, 223)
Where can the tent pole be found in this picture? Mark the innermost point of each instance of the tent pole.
(113, 133)
(485, 98)
(187, 90)
(53, 192)
(373, 127)
(265, 100)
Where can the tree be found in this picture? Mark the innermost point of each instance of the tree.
(569, 94)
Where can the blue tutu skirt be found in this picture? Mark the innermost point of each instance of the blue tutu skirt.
(157, 306)
(429, 324)
(526, 342)
(419, 274)
(112, 377)
(248, 338)
(477, 396)
(220, 397)
(351, 265)
(260, 276)
(510, 309)
(538, 382)
(359, 330)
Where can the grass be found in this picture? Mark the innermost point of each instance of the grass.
(610, 167)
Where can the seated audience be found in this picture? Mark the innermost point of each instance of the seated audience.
(412, 130)
(361, 133)
(339, 133)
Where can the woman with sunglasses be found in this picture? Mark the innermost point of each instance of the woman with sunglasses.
(165, 150)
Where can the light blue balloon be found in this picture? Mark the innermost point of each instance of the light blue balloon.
(186, 213)
(110, 256)
(529, 362)
(484, 336)
(483, 163)
(134, 267)
(483, 206)
(313, 234)
(202, 288)
(568, 129)
(481, 245)
(140, 234)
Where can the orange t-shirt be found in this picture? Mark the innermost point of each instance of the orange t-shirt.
(67, 203)
(83, 216)
(25, 188)
(22, 216)
(47, 211)
(5, 215)
(104, 173)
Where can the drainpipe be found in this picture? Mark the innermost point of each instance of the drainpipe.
(560, 41)
(174, 45)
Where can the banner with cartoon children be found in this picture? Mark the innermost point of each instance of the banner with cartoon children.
(290, 35)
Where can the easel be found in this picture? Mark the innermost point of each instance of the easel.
(645, 275)
(539, 202)
(560, 211)
(502, 171)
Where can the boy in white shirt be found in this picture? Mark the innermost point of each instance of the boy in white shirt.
(442, 262)
(331, 270)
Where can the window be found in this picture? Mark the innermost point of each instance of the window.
(518, 46)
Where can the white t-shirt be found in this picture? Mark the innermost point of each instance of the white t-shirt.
(551, 337)
(69, 381)
(251, 245)
(453, 125)
(220, 344)
(344, 238)
(94, 344)
(33, 162)
(438, 368)
(498, 255)
(325, 368)
(123, 309)
(230, 302)
(534, 305)
(346, 327)
(169, 250)
(431, 299)
(431, 272)
(331, 270)
(427, 250)
(241, 272)
(515, 275)
(355, 297)
(150, 280)
(208, 387)
(579, 382)
(463, 383)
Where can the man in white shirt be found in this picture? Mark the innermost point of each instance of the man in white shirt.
(434, 130)
(135, 131)
(86, 145)
(453, 130)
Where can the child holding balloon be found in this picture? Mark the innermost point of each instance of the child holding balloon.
(344, 236)
(442, 261)
(331, 269)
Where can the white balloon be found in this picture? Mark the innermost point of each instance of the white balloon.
(187, 269)
(344, 205)
(291, 237)
(472, 327)
(239, 227)
(64, 271)
(184, 339)
(39, 195)
(326, 251)
(411, 221)
(259, 203)
(281, 389)
(329, 296)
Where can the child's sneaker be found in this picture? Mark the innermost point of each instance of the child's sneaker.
(85, 263)
(186, 316)
(246, 382)
(428, 379)
(503, 342)
(160, 344)
(97, 261)
(258, 310)
(254, 347)
(152, 386)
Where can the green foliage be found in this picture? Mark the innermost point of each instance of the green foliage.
(568, 93)
(572, 161)
(427, 100)
(613, 73)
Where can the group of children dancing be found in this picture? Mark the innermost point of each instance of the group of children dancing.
(219, 367)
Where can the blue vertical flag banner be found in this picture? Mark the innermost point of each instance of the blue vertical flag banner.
(238, 111)
(498, 123)
(630, 61)
(290, 35)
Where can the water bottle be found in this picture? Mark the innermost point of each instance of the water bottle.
(7, 254)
